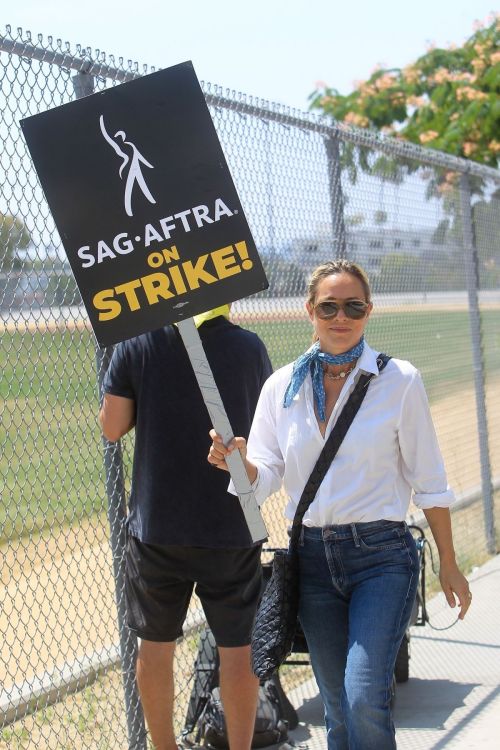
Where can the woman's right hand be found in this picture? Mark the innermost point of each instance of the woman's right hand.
(218, 451)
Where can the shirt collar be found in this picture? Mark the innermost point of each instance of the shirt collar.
(368, 360)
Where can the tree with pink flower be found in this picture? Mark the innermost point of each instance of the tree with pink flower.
(448, 99)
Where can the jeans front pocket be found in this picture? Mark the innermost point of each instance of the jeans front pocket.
(380, 540)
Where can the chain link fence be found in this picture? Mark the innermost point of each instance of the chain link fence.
(426, 227)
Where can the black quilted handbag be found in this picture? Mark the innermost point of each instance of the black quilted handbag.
(276, 620)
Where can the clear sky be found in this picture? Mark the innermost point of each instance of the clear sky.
(274, 49)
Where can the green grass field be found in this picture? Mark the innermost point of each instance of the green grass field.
(51, 466)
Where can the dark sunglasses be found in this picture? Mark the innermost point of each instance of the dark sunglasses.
(353, 308)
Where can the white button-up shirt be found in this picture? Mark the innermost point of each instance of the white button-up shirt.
(390, 449)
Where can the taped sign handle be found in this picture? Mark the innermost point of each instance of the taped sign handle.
(211, 396)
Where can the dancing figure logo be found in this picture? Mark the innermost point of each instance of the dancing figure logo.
(132, 162)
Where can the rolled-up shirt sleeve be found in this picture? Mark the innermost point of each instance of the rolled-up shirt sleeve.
(422, 462)
(117, 380)
(263, 449)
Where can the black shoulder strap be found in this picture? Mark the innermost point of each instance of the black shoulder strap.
(331, 447)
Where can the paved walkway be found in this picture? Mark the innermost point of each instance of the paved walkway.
(452, 699)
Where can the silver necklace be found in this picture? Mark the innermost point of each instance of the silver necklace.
(338, 376)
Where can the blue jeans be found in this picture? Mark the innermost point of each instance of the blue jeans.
(357, 587)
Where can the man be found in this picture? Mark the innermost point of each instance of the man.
(184, 528)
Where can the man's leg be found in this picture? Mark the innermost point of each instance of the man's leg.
(239, 689)
(155, 678)
(229, 584)
(157, 594)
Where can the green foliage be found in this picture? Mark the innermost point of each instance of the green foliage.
(14, 236)
(448, 99)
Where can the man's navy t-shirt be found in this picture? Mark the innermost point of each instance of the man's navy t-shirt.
(177, 497)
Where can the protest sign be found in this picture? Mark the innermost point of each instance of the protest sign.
(150, 220)
(144, 202)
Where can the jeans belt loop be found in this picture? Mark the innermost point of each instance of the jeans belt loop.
(355, 535)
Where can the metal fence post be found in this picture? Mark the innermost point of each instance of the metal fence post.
(115, 490)
(83, 84)
(336, 196)
(472, 277)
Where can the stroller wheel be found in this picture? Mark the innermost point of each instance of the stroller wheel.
(402, 668)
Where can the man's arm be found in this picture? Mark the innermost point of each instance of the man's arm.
(117, 416)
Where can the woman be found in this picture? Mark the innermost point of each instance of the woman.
(358, 562)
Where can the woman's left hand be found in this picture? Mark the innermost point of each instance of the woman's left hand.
(455, 584)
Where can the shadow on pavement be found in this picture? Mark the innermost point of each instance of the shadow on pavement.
(420, 704)
(311, 720)
(428, 703)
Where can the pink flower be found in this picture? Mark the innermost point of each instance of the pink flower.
(441, 75)
(416, 101)
(469, 148)
(429, 135)
(478, 65)
(466, 92)
(367, 90)
(411, 75)
(385, 81)
(353, 118)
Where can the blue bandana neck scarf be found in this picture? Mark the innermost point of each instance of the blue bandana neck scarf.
(312, 361)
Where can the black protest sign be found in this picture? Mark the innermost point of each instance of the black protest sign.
(144, 202)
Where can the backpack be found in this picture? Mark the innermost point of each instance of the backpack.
(269, 727)
(205, 715)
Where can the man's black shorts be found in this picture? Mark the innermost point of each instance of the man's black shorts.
(159, 583)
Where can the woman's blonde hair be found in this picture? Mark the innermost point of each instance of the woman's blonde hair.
(341, 265)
